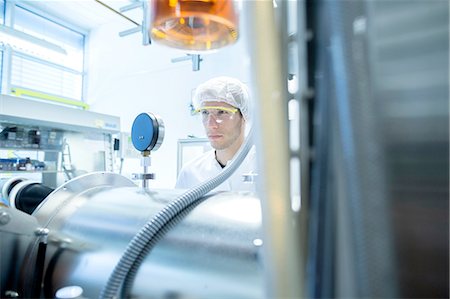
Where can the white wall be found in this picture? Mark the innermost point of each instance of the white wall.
(126, 78)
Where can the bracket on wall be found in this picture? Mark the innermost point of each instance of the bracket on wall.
(145, 21)
(143, 28)
(195, 58)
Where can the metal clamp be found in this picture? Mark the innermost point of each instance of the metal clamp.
(249, 177)
(143, 176)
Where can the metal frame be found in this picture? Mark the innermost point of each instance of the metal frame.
(183, 143)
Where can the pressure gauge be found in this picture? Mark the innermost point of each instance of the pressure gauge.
(147, 132)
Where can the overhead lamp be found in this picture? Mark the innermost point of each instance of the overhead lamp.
(196, 25)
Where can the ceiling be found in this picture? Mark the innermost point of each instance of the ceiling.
(88, 14)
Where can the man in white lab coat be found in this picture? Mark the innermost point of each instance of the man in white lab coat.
(223, 103)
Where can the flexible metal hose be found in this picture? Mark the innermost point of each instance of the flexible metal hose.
(128, 281)
(147, 237)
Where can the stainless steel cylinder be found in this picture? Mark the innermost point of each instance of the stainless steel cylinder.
(212, 252)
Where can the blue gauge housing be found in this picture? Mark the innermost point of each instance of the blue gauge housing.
(146, 132)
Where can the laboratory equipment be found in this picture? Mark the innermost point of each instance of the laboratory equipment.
(194, 25)
(59, 142)
(79, 234)
(210, 251)
(23, 194)
(147, 134)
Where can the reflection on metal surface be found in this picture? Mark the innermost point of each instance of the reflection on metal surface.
(411, 87)
(210, 253)
(69, 292)
(198, 25)
(379, 199)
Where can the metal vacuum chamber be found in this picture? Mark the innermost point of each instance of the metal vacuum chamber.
(212, 251)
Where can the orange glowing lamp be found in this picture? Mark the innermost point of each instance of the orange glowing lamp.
(196, 25)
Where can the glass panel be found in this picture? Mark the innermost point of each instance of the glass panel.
(71, 41)
(2, 12)
(2, 21)
(39, 76)
(1, 67)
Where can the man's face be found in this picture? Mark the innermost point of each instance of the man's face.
(223, 126)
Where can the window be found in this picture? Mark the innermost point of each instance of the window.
(45, 58)
(2, 21)
(2, 12)
(41, 76)
(70, 41)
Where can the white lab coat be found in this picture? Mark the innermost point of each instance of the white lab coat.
(206, 167)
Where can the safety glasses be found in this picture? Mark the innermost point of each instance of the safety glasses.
(218, 113)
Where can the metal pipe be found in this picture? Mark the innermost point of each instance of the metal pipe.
(304, 95)
(281, 246)
(131, 6)
(129, 31)
(211, 251)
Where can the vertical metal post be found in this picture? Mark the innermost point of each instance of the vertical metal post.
(281, 250)
(145, 27)
(145, 163)
(304, 95)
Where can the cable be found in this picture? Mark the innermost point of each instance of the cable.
(117, 12)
